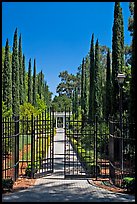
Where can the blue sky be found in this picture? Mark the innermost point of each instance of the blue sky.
(58, 34)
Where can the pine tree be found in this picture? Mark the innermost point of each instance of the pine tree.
(29, 83)
(20, 72)
(34, 84)
(108, 88)
(7, 79)
(24, 81)
(15, 76)
(117, 54)
(91, 87)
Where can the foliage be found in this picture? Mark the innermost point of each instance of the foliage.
(34, 83)
(117, 54)
(129, 184)
(29, 171)
(26, 110)
(20, 71)
(29, 83)
(92, 74)
(86, 157)
(60, 102)
(15, 76)
(7, 184)
(24, 83)
(7, 79)
(67, 85)
(131, 18)
(108, 88)
(5, 112)
(41, 106)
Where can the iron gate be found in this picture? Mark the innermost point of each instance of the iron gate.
(28, 143)
(86, 148)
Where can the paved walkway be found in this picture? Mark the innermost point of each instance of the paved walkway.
(54, 188)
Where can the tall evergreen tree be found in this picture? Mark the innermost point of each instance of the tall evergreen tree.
(20, 71)
(41, 84)
(24, 81)
(117, 54)
(133, 82)
(82, 87)
(29, 83)
(97, 83)
(76, 101)
(7, 79)
(15, 76)
(91, 87)
(34, 84)
(108, 88)
(85, 90)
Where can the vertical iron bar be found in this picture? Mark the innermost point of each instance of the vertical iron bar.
(96, 121)
(52, 140)
(32, 148)
(65, 145)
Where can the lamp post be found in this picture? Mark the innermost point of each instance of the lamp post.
(120, 78)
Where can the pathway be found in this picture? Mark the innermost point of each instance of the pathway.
(54, 188)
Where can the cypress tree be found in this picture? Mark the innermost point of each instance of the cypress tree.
(41, 83)
(85, 90)
(108, 88)
(29, 83)
(7, 79)
(82, 87)
(97, 83)
(117, 54)
(34, 84)
(24, 81)
(91, 87)
(133, 82)
(20, 72)
(15, 76)
(76, 102)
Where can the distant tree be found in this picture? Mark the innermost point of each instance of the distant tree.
(117, 54)
(20, 71)
(67, 85)
(91, 87)
(61, 102)
(29, 83)
(15, 76)
(47, 95)
(7, 79)
(34, 84)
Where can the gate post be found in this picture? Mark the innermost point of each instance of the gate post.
(32, 147)
(16, 147)
(52, 122)
(96, 121)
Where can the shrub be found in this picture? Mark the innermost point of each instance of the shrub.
(7, 184)
(28, 170)
(129, 184)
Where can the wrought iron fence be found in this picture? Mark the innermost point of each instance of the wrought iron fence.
(121, 151)
(27, 143)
